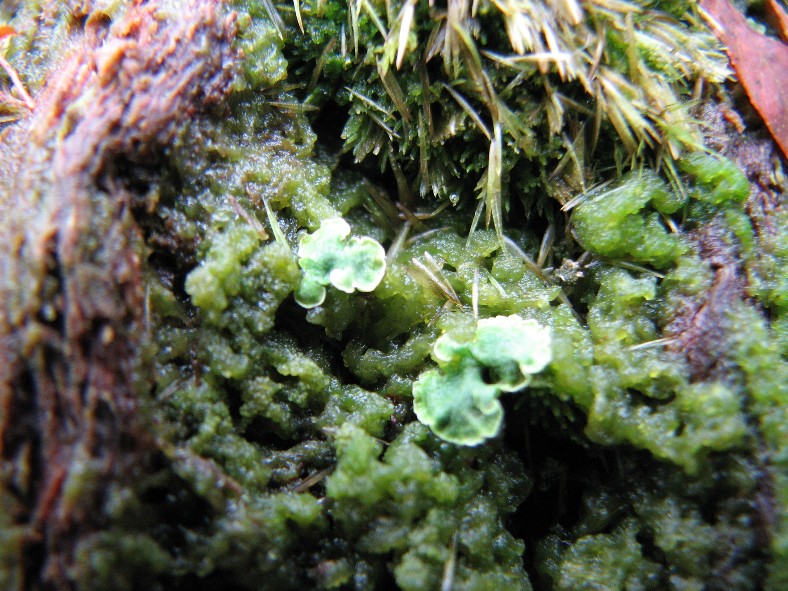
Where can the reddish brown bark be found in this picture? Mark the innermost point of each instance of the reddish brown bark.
(71, 298)
(761, 64)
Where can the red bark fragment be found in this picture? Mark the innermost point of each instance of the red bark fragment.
(778, 18)
(760, 62)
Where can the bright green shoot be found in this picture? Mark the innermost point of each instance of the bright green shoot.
(329, 256)
(459, 401)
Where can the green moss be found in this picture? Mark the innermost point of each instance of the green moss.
(656, 536)
(428, 516)
(289, 453)
(718, 180)
(358, 407)
(641, 395)
(614, 223)
(607, 561)
(124, 562)
(766, 376)
(264, 65)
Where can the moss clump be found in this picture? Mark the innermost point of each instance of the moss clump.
(642, 395)
(655, 536)
(425, 511)
(624, 566)
(285, 450)
(611, 222)
(718, 180)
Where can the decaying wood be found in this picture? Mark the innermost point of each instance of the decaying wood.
(71, 298)
(700, 323)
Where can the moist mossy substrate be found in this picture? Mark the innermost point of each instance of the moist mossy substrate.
(291, 455)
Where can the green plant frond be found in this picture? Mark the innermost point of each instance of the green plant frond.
(330, 256)
(455, 401)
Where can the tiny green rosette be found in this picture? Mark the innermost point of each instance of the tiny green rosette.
(459, 401)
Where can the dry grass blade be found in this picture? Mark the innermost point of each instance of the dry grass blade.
(279, 236)
(250, 219)
(276, 18)
(11, 108)
(450, 566)
(554, 109)
(529, 58)
(398, 243)
(493, 199)
(368, 101)
(320, 64)
(406, 21)
(534, 268)
(475, 294)
(383, 201)
(424, 152)
(379, 122)
(638, 268)
(426, 93)
(353, 14)
(477, 216)
(395, 93)
(297, 8)
(454, 30)
(624, 105)
(373, 16)
(663, 342)
(435, 42)
(546, 246)
(433, 270)
(312, 480)
(472, 113)
(15, 80)
(294, 107)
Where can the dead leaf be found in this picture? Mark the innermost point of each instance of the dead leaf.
(760, 62)
(778, 18)
(7, 31)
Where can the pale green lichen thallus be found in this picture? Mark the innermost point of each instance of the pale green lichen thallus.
(329, 257)
(459, 401)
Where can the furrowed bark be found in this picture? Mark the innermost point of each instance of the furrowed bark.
(72, 305)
